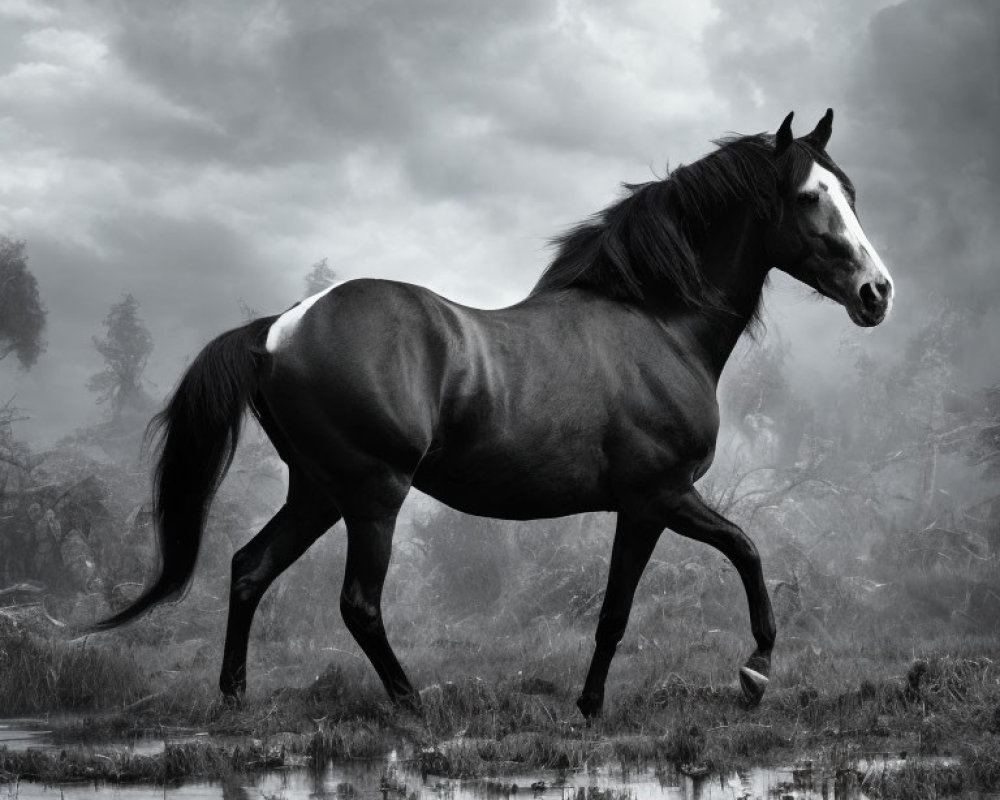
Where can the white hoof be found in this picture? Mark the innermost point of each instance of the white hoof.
(753, 684)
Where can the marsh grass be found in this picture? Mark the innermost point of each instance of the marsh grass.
(38, 675)
(177, 762)
(914, 781)
(498, 699)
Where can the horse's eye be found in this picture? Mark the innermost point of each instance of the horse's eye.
(808, 198)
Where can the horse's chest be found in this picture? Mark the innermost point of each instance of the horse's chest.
(669, 436)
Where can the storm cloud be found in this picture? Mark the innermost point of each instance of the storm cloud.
(201, 156)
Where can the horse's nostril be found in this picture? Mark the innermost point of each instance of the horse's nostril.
(868, 296)
(874, 295)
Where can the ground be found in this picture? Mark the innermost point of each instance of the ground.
(493, 703)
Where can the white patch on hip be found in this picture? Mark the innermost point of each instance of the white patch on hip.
(855, 234)
(284, 326)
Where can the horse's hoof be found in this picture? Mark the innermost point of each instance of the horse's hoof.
(753, 684)
(590, 705)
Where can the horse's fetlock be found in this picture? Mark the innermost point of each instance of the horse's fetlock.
(610, 633)
(591, 704)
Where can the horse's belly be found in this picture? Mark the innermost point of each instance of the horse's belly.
(514, 488)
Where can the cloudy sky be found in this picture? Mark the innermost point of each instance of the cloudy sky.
(203, 155)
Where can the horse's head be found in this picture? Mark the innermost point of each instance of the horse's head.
(818, 238)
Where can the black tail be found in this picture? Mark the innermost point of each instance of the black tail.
(198, 432)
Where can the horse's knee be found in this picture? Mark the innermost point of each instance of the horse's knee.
(360, 616)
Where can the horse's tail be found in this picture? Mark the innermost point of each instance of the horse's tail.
(198, 432)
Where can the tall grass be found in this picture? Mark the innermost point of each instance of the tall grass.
(38, 676)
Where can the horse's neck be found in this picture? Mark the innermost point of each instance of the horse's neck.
(732, 255)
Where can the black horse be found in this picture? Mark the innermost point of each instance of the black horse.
(595, 393)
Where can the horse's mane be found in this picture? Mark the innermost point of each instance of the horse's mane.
(644, 241)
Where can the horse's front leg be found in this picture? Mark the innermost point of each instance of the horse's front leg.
(693, 518)
(634, 543)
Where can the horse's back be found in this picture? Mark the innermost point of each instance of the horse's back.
(515, 412)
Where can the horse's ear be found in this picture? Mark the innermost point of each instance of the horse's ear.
(783, 137)
(821, 133)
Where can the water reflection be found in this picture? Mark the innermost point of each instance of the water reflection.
(18, 734)
(382, 781)
(799, 783)
(392, 778)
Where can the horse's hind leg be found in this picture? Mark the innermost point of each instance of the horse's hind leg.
(369, 545)
(634, 543)
(694, 519)
(289, 533)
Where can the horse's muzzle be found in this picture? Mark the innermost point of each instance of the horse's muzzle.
(872, 304)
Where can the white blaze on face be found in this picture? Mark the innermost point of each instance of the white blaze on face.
(284, 326)
(824, 182)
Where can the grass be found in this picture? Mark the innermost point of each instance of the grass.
(496, 704)
(38, 675)
(177, 762)
(499, 694)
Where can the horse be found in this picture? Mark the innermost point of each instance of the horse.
(597, 392)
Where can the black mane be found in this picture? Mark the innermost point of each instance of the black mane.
(644, 241)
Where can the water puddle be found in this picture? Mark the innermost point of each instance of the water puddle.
(393, 779)
(19, 734)
(366, 781)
